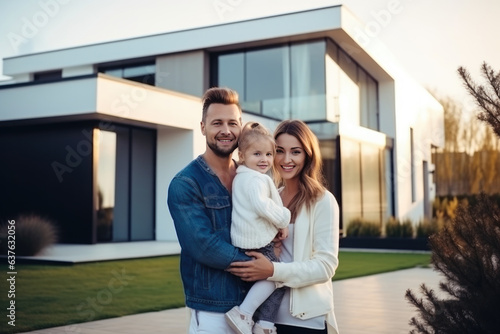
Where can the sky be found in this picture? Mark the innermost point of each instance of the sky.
(429, 38)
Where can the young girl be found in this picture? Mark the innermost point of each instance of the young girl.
(309, 255)
(258, 217)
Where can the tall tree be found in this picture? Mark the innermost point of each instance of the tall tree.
(467, 250)
(486, 96)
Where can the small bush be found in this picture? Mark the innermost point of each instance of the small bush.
(466, 252)
(395, 229)
(407, 229)
(426, 228)
(362, 228)
(32, 235)
(354, 227)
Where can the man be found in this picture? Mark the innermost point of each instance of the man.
(199, 200)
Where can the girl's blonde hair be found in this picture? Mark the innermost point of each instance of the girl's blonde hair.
(311, 179)
(251, 132)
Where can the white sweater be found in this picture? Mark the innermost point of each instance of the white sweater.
(315, 260)
(258, 211)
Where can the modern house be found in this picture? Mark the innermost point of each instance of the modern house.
(91, 136)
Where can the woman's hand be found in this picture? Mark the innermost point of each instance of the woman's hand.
(260, 268)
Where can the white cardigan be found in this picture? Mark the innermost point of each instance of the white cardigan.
(258, 211)
(315, 259)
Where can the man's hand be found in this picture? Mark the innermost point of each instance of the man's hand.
(260, 268)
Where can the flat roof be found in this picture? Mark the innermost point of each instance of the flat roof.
(333, 22)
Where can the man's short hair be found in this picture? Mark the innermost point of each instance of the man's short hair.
(222, 95)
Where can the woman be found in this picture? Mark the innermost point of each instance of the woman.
(310, 253)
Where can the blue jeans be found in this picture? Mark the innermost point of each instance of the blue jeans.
(268, 310)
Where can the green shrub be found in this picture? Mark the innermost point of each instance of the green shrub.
(393, 228)
(426, 228)
(360, 227)
(354, 227)
(32, 235)
(407, 229)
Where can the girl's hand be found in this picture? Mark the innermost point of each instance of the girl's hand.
(282, 233)
(260, 268)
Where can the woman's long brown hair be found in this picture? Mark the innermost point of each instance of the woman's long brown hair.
(311, 180)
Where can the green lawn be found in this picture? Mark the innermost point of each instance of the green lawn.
(56, 295)
(357, 264)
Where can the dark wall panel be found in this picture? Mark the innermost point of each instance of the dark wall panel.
(122, 199)
(142, 211)
(47, 170)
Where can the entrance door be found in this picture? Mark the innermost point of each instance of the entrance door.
(125, 168)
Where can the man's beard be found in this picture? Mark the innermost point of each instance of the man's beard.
(222, 153)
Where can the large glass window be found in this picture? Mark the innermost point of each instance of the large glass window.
(366, 181)
(308, 81)
(311, 81)
(267, 84)
(368, 100)
(232, 73)
(125, 169)
(281, 82)
(351, 181)
(331, 165)
(349, 89)
(143, 73)
(332, 78)
(371, 188)
(105, 156)
(352, 94)
(48, 76)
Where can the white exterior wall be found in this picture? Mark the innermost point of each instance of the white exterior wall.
(175, 149)
(35, 101)
(417, 110)
(185, 72)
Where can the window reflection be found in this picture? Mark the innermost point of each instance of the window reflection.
(371, 189)
(313, 81)
(351, 180)
(308, 81)
(105, 155)
(144, 73)
(366, 181)
(279, 82)
(352, 94)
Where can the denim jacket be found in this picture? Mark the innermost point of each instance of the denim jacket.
(201, 209)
